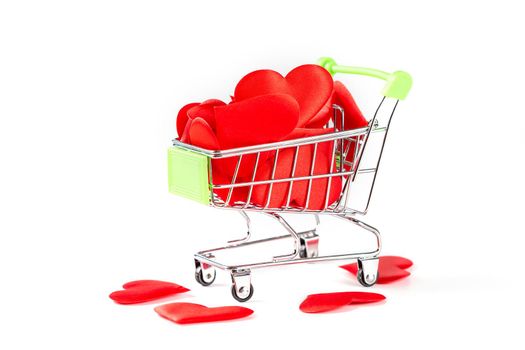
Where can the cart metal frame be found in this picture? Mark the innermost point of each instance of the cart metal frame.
(198, 183)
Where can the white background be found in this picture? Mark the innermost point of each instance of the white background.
(89, 91)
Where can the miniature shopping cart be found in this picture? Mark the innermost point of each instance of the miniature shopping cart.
(191, 176)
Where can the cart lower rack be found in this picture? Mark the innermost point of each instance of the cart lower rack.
(191, 176)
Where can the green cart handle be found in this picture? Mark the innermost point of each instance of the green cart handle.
(397, 86)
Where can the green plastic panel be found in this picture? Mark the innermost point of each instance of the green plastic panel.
(188, 174)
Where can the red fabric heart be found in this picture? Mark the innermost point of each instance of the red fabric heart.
(353, 118)
(226, 167)
(298, 133)
(202, 135)
(239, 194)
(283, 170)
(142, 291)
(311, 85)
(184, 313)
(194, 110)
(186, 133)
(391, 268)
(322, 166)
(261, 119)
(258, 120)
(205, 110)
(316, 303)
(319, 187)
(323, 116)
(182, 117)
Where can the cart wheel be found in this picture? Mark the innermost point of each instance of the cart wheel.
(363, 281)
(367, 273)
(205, 276)
(242, 296)
(309, 245)
(242, 289)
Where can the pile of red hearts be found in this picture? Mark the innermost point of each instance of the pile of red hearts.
(267, 107)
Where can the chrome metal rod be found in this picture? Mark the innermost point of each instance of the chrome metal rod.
(298, 178)
(367, 227)
(234, 177)
(379, 158)
(293, 234)
(294, 259)
(248, 231)
(285, 262)
(247, 243)
(272, 146)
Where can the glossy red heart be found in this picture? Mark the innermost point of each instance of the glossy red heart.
(353, 118)
(311, 86)
(299, 192)
(202, 135)
(391, 268)
(142, 291)
(247, 166)
(184, 313)
(257, 120)
(322, 162)
(239, 194)
(319, 187)
(298, 133)
(316, 303)
(186, 133)
(182, 118)
(206, 111)
(193, 110)
(322, 117)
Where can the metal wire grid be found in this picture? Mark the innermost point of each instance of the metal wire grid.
(341, 142)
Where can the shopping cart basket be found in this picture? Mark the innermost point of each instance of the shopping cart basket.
(190, 175)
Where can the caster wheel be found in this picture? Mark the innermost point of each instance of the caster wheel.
(205, 276)
(364, 281)
(367, 273)
(243, 295)
(309, 245)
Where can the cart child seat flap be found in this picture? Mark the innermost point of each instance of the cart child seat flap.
(188, 174)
